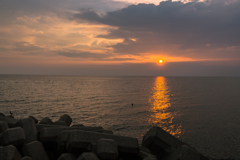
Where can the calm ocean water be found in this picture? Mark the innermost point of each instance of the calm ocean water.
(203, 111)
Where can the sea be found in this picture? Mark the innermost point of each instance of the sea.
(201, 111)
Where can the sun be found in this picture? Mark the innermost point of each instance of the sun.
(160, 61)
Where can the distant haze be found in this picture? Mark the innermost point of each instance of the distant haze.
(120, 38)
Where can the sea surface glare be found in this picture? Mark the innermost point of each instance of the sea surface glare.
(203, 111)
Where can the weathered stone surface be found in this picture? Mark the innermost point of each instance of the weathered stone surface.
(34, 119)
(60, 123)
(14, 136)
(105, 131)
(35, 150)
(50, 134)
(88, 156)
(160, 141)
(106, 149)
(67, 156)
(183, 153)
(9, 153)
(66, 118)
(46, 120)
(78, 140)
(10, 121)
(27, 158)
(29, 128)
(3, 126)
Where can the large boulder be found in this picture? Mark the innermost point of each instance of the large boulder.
(66, 118)
(160, 141)
(9, 153)
(106, 149)
(34, 119)
(35, 150)
(29, 128)
(14, 136)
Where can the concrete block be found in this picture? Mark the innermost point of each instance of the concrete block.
(34, 119)
(35, 150)
(3, 126)
(183, 153)
(27, 158)
(106, 149)
(60, 123)
(50, 134)
(143, 154)
(150, 158)
(67, 156)
(62, 139)
(79, 139)
(66, 118)
(9, 153)
(77, 125)
(105, 131)
(46, 120)
(29, 128)
(14, 136)
(2, 115)
(41, 126)
(160, 142)
(10, 121)
(88, 156)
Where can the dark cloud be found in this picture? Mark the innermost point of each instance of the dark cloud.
(193, 29)
(92, 56)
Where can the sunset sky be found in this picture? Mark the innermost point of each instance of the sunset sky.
(120, 38)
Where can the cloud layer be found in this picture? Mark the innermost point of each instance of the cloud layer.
(205, 30)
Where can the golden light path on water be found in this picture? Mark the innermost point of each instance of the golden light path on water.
(161, 116)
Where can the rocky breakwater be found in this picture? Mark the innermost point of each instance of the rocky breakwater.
(30, 139)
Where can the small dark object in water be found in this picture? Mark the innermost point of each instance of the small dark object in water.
(132, 104)
(11, 113)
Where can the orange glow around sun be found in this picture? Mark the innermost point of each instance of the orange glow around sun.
(160, 61)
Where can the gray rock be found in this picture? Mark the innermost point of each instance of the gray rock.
(35, 150)
(66, 118)
(67, 156)
(88, 156)
(80, 140)
(27, 158)
(34, 119)
(46, 120)
(10, 121)
(106, 149)
(50, 134)
(60, 123)
(3, 126)
(9, 153)
(29, 128)
(14, 136)
(160, 142)
(183, 153)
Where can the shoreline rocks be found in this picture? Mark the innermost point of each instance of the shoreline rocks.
(28, 138)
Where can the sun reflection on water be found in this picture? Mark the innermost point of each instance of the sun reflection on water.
(161, 115)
